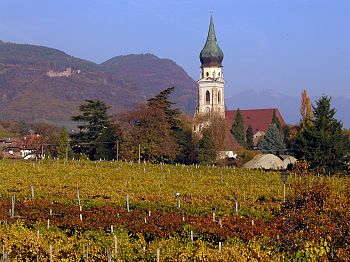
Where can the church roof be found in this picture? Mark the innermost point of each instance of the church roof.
(258, 119)
(211, 54)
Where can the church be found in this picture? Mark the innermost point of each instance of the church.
(211, 96)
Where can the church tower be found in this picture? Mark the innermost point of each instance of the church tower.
(211, 82)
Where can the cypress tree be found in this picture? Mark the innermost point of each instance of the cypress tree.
(64, 150)
(237, 129)
(275, 120)
(206, 150)
(249, 138)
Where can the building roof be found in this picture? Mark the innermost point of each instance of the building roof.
(211, 54)
(258, 119)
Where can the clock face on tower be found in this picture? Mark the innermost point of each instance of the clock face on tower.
(207, 109)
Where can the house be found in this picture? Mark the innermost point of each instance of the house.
(258, 119)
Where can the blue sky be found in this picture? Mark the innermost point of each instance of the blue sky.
(283, 45)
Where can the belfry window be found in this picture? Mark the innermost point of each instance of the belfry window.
(207, 98)
(219, 97)
(207, 74)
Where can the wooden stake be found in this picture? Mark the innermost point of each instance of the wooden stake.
(127, 203)
(87, 253)
(50, 253)
(109, 257)
(115, 247)
(32, 191)
(4, 257)
(78, 196)
(139, 153)
(13, 206)
(80, 215)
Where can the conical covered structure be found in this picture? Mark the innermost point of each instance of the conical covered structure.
(211, 99)
(211, 54)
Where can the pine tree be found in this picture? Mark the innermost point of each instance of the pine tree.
(64, 150)
(323, 143)
(206, 150)
(249, 138)
(93, 120)
(161, 101)
(237, 129)
(272, 141)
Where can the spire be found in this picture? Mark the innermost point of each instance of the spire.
(211, 54)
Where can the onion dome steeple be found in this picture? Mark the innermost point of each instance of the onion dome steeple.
(211, 54)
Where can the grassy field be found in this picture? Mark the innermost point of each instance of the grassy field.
(312, 225)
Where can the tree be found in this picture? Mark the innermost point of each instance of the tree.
(148, 128)
(272, 141)
(186, 141)
(105, 144)
(276, 121)
(237, 129)
(215, 126)
(91, 123)
(173, 117)
(162, 102)
(249, 138)
(64, 151)
(323, 143)
(206, 149)
(306, 109)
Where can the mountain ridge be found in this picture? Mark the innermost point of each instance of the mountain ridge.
(45, 84)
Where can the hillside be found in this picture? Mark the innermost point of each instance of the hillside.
(44, 84)
(149, 74)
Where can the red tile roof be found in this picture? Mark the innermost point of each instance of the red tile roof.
(258, 119)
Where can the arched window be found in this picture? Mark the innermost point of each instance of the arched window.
(207, 74)
(207, 97)
(219, 97)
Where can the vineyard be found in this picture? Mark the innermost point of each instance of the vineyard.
(116, 211)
